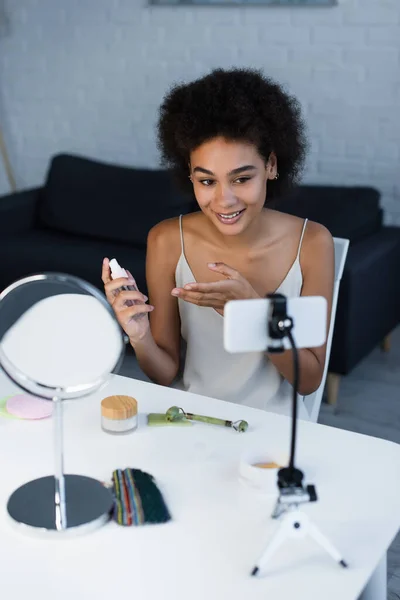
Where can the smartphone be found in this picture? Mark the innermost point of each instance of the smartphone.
(246, 324)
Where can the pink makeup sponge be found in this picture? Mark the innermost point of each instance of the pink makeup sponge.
(29, 407)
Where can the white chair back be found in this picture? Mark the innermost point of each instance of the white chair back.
(312, 402)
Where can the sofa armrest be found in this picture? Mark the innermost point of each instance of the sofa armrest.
(18, 211)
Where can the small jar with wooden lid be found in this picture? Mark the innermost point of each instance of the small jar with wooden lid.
(119, 414)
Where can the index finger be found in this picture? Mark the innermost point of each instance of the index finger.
(207, 288)
(105, 271)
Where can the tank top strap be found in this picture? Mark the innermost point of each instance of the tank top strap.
(301, 237)
(181, 234)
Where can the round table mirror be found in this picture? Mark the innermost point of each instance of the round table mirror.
(59, 340)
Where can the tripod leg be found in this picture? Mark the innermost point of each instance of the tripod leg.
(284, 531)
(315, 533)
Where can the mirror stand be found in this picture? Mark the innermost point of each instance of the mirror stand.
(68, 504)
(92, 348)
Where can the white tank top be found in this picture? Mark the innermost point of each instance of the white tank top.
(249, 378)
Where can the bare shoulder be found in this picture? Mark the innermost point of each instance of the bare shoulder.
(284, 225)
(318, 248)
(165, 238)
(165, 230)
(317, 242)
(317, 237)
(315, 234)
(167, 233)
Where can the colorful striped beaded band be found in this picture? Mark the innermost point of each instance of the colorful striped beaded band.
(137, 499)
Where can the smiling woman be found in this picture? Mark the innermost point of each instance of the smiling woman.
(235, 139)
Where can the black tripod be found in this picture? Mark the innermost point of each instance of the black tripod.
(292, 492)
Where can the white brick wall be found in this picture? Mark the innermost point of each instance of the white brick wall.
(87, 76)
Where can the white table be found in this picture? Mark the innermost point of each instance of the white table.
(219, 526)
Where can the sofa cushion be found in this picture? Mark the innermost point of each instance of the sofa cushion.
(348, 212)
(91, 198)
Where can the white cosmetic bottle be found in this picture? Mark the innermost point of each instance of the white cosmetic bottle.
(116, 272)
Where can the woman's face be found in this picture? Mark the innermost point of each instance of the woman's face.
(230, 182)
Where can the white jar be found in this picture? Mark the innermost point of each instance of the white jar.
(119, 414)
(259, 470)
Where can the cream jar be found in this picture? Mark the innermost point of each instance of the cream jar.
(119, 414)
(259, 471)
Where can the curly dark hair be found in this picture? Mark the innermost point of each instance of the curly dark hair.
(237, 104)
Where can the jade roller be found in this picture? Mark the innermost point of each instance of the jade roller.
(177, 414)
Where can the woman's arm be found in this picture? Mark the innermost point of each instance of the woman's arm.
(158, 352)
(317, 261)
